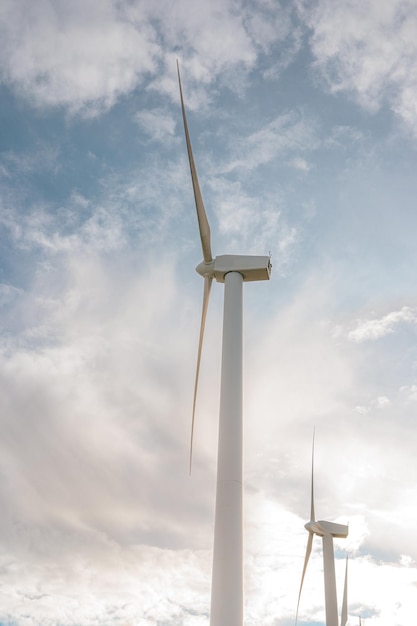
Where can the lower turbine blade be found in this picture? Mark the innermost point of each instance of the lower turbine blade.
(307, 556)
(206, 296)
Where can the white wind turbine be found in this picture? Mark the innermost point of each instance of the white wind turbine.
(327, 531)
(232, 270)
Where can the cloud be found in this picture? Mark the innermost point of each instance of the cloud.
(371, 330)
(156, 123)
(81, 56)
(410, 391)
(368, 50)
(240, 215)
(381, 402)
(301, 164)
(287, 133)
(44, 157)
(140, 585)
(271, 27)
(86, 55)
(8, 294)
(72, 424)
(44, 230)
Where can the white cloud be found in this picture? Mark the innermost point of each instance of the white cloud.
(86, 54)
(81, 55)
(410, 391)
(362, 410)
(371, 330)
(381, 402)
(269, 23)
(250, 224)
(288, 133)
(368, 49)
(42, 229)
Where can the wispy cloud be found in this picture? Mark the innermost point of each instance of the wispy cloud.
(44, 230)
(288, 133)
(156, 123)
(241, 214)
(368, 50)
(371, 330)
(301, 164)
(381, 402)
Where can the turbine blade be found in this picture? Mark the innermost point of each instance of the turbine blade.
(312, 516)
(307, 556)
(344, 615)
(201, 212)
(206, 296)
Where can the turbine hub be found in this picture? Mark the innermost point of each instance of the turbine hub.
(314, 527)
(205, 269)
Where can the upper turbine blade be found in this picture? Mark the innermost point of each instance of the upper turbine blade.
(344, 615)
(201, 212)
(307, 556)
(206, 296)
(312, 516)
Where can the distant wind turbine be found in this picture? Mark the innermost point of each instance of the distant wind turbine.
(326, 530)
(232, 270)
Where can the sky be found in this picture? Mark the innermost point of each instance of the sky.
(303, 119)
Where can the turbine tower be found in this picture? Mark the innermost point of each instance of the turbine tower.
(327, 531)
(232, 270)
(344, 614)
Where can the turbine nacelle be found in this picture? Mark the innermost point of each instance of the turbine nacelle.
(322, 527)
(252, 268)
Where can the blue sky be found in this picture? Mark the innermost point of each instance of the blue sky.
(304, 127)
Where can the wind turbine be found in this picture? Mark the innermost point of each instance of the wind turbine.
(327, 531)
(232, 270)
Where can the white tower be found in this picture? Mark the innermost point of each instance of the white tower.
(233, 270)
